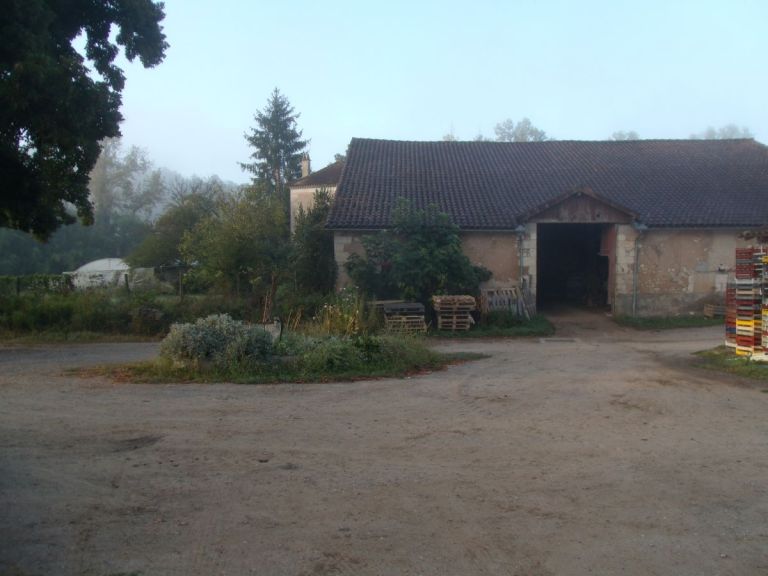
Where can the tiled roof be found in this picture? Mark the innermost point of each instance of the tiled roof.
(497, 185)
(328, 176)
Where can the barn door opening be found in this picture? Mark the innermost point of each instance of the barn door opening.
(574, 263)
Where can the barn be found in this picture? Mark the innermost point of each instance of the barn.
(644, 227)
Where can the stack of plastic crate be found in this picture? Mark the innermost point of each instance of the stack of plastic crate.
(749, 303)
(761, 271)
(730, 314)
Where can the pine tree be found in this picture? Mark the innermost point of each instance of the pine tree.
(277, 147)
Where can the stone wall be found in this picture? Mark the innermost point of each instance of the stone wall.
(624, 270)
(497, 251)
(304, 196)
(679, 270)
(344, 245)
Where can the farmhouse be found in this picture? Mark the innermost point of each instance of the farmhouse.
(644, 227)
(303, 189)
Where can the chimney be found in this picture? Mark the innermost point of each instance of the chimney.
(305, 166)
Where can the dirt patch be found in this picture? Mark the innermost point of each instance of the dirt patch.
(604, 455)
(135, 443)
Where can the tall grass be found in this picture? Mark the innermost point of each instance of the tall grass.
(109, 312)
(346, 314)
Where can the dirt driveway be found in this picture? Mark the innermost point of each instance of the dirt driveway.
(599, 454)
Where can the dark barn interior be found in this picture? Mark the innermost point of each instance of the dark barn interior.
(570, 267)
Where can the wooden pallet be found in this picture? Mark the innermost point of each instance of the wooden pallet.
(412, 324)
(378, 305)
(454, 321)
(498, 299)
(454, 312)
(713, 310)
(404, 309)
(454, 303)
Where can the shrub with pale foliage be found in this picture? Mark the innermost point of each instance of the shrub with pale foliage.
(217, 339)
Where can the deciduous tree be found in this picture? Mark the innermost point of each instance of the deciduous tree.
(124, 183)
(162, 247)
(420, 257)
(57, 105)
(723, 133)
(238, 246)
(126, 193)
(313, 262)
(522, 131)
(625, 135)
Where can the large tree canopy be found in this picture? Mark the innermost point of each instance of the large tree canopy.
(54, 109)
(419, 257)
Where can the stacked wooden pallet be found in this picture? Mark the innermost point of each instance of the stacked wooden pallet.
(504, 300)
(454, 312)
(404, 317)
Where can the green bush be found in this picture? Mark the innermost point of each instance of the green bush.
(57, 312)
(419, 257)
(335, 354)
(48, 311)
(35, 284)
(332, 354)
(217, 339)
(501, 319)
(294, 344)
(107, 311)
(100, 312)
(251, 346)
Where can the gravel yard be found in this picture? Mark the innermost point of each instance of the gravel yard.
(600, 451)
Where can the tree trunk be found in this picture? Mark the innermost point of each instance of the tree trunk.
(269, 300)
(278, 182)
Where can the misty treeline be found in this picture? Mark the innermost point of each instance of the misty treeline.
(129, 195)
(727, 132)
(509, 131)
(233, 240)
(524, 131)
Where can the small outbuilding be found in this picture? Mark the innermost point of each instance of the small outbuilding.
(102, 273)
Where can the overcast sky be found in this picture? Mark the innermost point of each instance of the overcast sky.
(418, 70)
